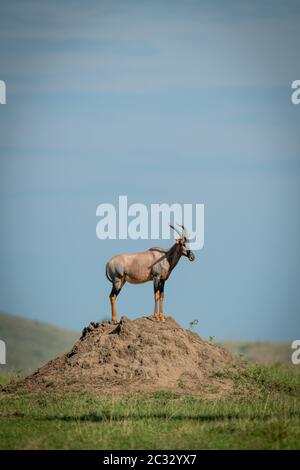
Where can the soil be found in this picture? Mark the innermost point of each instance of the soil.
(141, 355)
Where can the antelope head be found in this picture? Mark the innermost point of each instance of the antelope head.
(183, 242)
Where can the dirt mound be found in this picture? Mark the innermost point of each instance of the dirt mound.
(137, 355)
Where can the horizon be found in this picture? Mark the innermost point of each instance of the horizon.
(215, 339)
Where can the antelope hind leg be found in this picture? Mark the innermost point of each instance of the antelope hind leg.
(117, 286)
(113, 298)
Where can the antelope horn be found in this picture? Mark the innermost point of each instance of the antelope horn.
(184, 231)
(176, 230)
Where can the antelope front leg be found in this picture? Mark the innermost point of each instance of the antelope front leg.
(156, 300)
(161, 303)
(161, 308)
(156, 282)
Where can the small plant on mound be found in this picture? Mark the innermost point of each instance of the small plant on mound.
(193, 324)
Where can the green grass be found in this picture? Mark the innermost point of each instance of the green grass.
(265, 418)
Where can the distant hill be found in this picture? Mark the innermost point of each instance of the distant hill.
(263, 352)
(30, 344)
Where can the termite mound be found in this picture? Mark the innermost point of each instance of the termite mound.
(139, 355)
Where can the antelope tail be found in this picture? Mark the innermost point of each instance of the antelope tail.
(106, 273)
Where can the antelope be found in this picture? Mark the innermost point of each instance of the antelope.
(155, 264)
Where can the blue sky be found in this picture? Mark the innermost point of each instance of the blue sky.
(163, 102)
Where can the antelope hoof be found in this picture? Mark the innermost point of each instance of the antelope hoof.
(162, 318)
(156, 317)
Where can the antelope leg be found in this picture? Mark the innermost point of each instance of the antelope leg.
(116, 289)
(161, 307)
(113, 298)
(156, 300)
(161, 302)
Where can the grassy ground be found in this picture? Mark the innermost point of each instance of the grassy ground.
(263, 413)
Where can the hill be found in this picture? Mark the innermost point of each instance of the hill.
(261, 352)
(30, 344)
